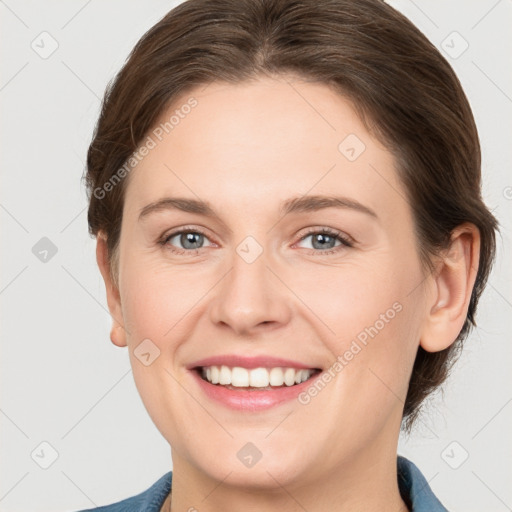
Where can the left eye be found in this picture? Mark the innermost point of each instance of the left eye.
(325, 240)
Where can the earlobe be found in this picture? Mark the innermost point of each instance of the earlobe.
(117, 331)
(451, 287)
(117, 334)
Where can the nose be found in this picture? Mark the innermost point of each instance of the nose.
(250, 298)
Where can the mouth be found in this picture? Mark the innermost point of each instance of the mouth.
(252, 383)
(238, 378)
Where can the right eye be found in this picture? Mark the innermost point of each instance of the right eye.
(190, 240)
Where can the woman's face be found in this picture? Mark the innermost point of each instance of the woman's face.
(262, 273)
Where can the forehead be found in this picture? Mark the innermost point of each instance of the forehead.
(256, 142)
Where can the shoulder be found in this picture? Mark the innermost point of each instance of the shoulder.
(414, 488)
(150, 500)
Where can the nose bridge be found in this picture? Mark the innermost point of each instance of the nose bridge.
(250, 295)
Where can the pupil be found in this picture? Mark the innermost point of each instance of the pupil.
(324, 241)
(191, 238)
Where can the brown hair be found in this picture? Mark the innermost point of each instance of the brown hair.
(404, 90)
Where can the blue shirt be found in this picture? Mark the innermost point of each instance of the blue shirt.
(413, 487)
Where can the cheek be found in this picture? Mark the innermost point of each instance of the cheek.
(158, 300)
(157, 307)
(372, 323)
(356, 296)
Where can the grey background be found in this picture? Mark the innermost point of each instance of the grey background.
(64, 383)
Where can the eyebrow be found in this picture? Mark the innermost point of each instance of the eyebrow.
(317, 202)
(294, 205)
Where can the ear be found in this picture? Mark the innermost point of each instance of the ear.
(117, 332)
(452, 286)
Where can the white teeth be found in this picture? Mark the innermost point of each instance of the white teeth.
(225, 375)
(256, 378)
(289, 376)
(276, 377)
(239, 377)
(301, 376)
(214, 375)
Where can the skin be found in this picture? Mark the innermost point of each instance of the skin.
(245, 149)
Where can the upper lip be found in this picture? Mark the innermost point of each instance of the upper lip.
(262, 361)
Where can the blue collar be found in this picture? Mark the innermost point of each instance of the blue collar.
(414, 488)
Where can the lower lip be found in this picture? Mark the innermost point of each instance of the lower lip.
(251, 400)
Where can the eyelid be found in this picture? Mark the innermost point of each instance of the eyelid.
(342, 236)
(187, 229)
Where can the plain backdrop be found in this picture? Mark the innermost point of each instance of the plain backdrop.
(74, 432)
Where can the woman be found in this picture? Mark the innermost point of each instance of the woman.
(286, 199)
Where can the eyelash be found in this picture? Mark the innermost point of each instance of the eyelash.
(345, 241)
(165, 240)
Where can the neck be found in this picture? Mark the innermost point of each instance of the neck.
(368, 481)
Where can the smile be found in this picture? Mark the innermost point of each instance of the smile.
(252, 390)
(260, 378)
